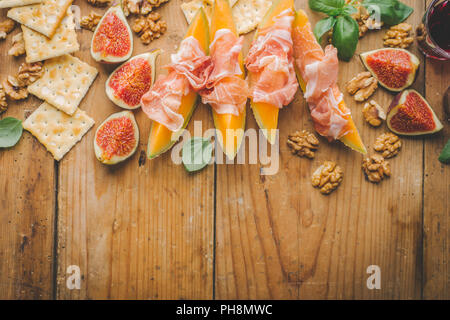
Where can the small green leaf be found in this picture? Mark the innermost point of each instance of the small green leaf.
(196, 153)
(445, 154)
(330, 7)
(345, 37)
(349, 9)
(390, 12)
(323, 26)
(10, 132)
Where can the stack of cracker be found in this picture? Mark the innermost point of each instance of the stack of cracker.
(247, 14)
(49, 34)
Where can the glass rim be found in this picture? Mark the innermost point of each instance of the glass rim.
(427, 16)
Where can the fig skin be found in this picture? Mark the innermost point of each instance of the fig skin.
(115, 158)
(397, 102)
(151, 58)
(412, 76)
(117, 10)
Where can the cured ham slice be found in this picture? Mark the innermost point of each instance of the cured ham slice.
(270, 62)
(317, 76)
(225, 90)
(189, 70)
(161, 103)
(321, 75)
(319, 70)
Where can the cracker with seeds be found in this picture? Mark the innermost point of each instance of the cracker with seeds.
(65, 82)
(39, 47)
(17, 3)
(248, 14)
(43, 18)
(56, 130)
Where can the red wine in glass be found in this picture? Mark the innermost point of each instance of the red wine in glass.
(436, 29)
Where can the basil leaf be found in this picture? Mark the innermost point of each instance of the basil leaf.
(390, 12)
(323, 26)
(445, 154)
(345, 37)
(349, 9)
(10, 132)
(330, 7)
(196, 153)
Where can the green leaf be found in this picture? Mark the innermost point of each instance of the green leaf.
(445, 154)
(345, 37)
(323, 26)
(349, 9)
(390, 12)
(10, 132)
(196, 153)
(330, 7)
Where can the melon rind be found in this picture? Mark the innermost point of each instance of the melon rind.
(412, 76)
(116, 159)
(398, 101)
(151, 58)
(117, 9)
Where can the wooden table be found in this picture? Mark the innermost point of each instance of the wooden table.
(146, 229)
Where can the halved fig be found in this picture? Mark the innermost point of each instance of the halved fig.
(395, 69)
(410, 114)
(128, 83)
(117, 138)
(112, 41)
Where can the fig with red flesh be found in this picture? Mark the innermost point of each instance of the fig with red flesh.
(112, 41)
(128, 83)
(395, 69)
(410, 114)
(117, 138)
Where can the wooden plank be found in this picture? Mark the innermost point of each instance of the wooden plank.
(137, 230)
(436, 211)
(277, 237)
(27, 203)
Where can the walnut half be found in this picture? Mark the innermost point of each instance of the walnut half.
(6, 27)
(388, 144)
(398, 36)
(362, 86)
(18, 45)
(150, 27)
(3, 102)
(90, 21)
(376, 168)
(327, 177)
(29, 73)
(13, 89)
(373, 113)
(303, 143)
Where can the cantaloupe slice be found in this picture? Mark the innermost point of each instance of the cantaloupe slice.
(266, 115)
(222, 18)
(162, 139)
(352, 139)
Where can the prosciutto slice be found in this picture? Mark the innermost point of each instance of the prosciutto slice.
(319, 70)
(225, 90)
(270, 63)
(189, 70)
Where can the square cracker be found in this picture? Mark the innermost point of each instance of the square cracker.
(43, 18)
(248, 14)
(65, 82)
(17, 3)
(57, 131)
(39, 47)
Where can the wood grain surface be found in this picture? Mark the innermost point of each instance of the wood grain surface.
(146, 229)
